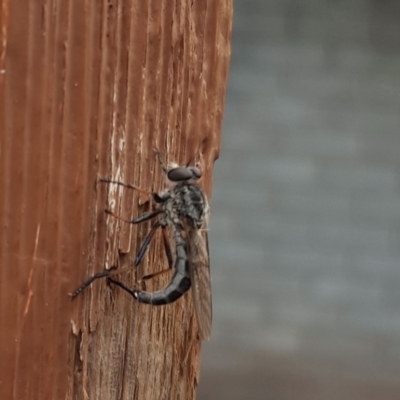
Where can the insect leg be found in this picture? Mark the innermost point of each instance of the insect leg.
(103, 274)
(127, 185)
(163, 166)
(132, 292)
(146, 243)
(89, 281)
(167, 247)
(151, 276)
(142, 218)
(179, 284)
(147, 240)
(168, 253)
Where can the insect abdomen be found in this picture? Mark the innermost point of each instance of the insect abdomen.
(168, 295)
(180, 282)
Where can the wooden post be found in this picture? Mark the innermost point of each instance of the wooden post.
(88, 89)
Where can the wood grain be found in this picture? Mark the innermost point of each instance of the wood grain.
(88, 89)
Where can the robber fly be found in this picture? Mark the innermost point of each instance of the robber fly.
(184, 210)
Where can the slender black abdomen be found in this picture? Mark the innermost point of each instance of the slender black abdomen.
(171, 293)
(179, 284)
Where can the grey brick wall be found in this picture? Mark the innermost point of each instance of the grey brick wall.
(305, 226)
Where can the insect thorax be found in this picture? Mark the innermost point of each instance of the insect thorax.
(187, 200)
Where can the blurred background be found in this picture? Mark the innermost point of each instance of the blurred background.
(305, 227)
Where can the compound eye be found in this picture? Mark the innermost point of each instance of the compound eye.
(180, 174)
(196, 173)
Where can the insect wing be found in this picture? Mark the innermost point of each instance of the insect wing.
(199, 264)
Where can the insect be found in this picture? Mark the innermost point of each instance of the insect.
(184, 210)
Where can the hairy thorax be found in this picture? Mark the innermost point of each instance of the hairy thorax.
(186, 200)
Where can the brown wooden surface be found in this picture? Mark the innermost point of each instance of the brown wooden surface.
(88, 89)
